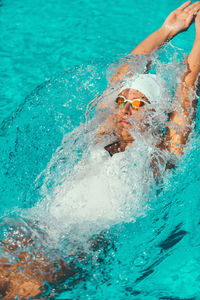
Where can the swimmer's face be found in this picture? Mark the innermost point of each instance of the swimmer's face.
(127, 113)
(131, 95)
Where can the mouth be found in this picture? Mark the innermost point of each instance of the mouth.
(124, 122)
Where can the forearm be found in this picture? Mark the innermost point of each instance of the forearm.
(180, 122)
(193, 64)
(154, 41)
(177, 21)
(150, 44)
(186, 93)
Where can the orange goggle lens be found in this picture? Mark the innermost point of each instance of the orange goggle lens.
(135, 103)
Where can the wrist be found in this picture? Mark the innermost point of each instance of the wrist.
(167, 32)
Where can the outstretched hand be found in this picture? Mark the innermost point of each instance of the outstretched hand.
(180, 19)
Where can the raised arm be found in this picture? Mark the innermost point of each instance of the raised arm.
(179, 20)
(179, 125)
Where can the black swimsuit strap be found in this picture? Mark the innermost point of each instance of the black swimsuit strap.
(110, 145)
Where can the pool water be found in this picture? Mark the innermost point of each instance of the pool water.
(54, 61)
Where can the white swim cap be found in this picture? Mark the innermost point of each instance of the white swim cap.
(148, 84)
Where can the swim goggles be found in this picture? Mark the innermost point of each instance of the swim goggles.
(135, 103)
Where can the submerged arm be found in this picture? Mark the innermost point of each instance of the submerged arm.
(179, 20)
(179, 125)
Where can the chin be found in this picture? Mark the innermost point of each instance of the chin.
(125, 137)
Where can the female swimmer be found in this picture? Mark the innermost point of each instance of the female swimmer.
(137, 93)
(27, 276)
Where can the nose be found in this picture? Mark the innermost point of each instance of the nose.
(126, 109)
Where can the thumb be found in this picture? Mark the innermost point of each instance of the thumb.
(197, 17)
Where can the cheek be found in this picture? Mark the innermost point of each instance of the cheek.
(123, 133)
(137, 115)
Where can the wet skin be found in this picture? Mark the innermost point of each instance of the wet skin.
(126, 115)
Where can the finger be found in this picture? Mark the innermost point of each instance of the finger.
(192, 8)
(184, 5)
(195, 13)
(190, 19)
(197, 16)
(192, 16)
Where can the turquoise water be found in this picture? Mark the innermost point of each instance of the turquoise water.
(54, 60)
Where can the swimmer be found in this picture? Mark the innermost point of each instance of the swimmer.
(25, 278)
(135, 96)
